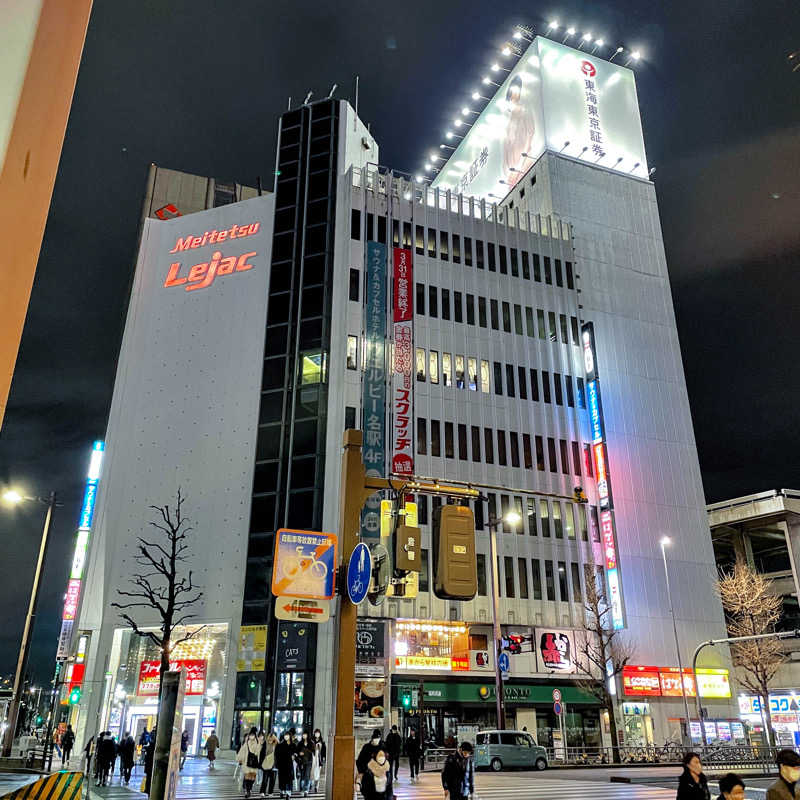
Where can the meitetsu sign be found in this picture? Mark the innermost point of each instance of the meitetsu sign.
(556, 98)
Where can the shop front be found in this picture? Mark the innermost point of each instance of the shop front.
(784, 707)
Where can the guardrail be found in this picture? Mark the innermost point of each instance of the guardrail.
(435, 758)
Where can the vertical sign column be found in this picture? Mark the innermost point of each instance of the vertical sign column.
(402, 376)
(374, 386)
(608, 530)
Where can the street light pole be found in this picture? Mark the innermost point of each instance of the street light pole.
(664, 542)
(30, 619)
(498, 676)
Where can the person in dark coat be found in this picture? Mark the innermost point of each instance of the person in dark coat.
(367, 753)
(67, 742)
(284, 763)
(304, 755)
(127, 752)
(692, 785)
(149, 757)
(88, 752)
(106, 755)
(458, 779)
(731, 787)
(788, 776)
(394, 746)
(413, 751)
(184, 748)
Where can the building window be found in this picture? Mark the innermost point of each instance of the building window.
(564, 456)
(570, 391)
(503, 260)
(481, 564)
(355, 224)
(531, 514)
(349, 417)
(423, 571)
(563, 591)
(431, 243)
(527, 454)
(313, 367)
(549, 580)
(422, 509)
(468, 251)
(506, 317)
(472, 369)
(443, 252)
(551, 452)
(476, 444)
(523, 384)
(559, 279)
(352, 352)
(529, 326)
(479, 253)
(518, 319)
(569, 520)
(508, 568)
(436, 444)
(446, 304)
(522, 568)
(536, 579)
(595, 524)
(526, 267)
(557, 389)
(479, 508)
(482, 312)
(548, 272)
(575, 337)
(577, 594)
(501, 448)
(539, 453)
(456, 249)
(433, 366)
(546, 386)
(570, 277)
(534, 385)
(422, 436)
(449, 451)
(488, 445)
(462, 442)
(576, 458)
(537, 270)
(558, 528)
(492, 508)
(498, 378)
(492, 264)
(355, 284)
(447, 369)
(581, 395)
(514, 442)
(510, 380)
(419, 360)
(421, 299)
(544, 516)
(587, 460)
(540, 323)
(551, 320)
(564, 329)
(458, 310)
(485, 376)
(493, 307)
(419, 232)
(470, 309)
(460, 383)
(433, 302)
(514, 260)
(582, 523)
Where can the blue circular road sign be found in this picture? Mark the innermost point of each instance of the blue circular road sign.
(557, 708)
(359, 573)
(503, 662)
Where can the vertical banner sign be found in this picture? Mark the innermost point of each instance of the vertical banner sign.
(73, 593)
(608, 531)
(402, 369)
(374, 386)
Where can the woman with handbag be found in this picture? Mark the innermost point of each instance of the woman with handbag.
(249, 758)
(268, 765)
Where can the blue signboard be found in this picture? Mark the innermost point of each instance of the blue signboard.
(305, 564)
(374, 386)
(359, 572)
(595, 411)
(504, 663)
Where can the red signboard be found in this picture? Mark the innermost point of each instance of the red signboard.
(607, 532)
(601, 473)
(671, 682)
(71, 599)
(403, 305)
(641, 682)
(195, 676)
(403, 364)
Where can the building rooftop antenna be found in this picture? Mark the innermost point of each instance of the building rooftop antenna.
(308, 97)
(333, 89)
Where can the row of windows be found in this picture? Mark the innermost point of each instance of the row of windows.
(462, 372)
(442, 244)
(482, 447)
(460, 307)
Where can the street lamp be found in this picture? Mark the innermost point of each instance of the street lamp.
(665, 542)
(13, 497)
(513, 519)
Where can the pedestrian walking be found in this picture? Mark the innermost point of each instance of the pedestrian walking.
(284, 764)
(184, 748)
(413, 752)
(212, 745)
(731, 787)
(692, 785)
(394, 746)
(268, 765)
(88, 752)
(248, 757)
(788, 775)
(369, 752)
(304, 755)
(127, 753)
(320, 754)
(106, 755)
(67, 742)
(376, 782)
(149, 757)
(458, 774)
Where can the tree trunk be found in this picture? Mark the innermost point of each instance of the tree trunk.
(768, 720)
(612, 725)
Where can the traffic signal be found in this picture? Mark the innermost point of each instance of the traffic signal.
(407, 548)
(455, 565)
(578, 495)
(75, 695)
(39, 719)
(406, 700)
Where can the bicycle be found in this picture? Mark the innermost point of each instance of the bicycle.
(294, 565)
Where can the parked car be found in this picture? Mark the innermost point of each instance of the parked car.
(501, 749)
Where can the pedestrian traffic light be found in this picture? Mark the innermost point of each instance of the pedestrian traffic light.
(455, 565)
(39, 719)
(407, 548)
(406, 700)
(75, 695)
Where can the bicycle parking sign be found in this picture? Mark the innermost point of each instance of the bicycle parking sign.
(305, 564)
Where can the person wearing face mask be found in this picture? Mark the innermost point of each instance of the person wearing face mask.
(320, 751)
(731, 787)
(305, 759)
(368, 753)
(284, 763)
(693, 785)
(789, 773)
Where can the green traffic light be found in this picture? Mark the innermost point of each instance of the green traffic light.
(75, 696)
(406, 700)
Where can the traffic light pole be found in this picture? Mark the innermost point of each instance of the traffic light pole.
(498, 676)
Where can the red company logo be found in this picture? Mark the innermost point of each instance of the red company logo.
(588, 69)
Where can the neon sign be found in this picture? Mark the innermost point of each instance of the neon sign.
(202, 275)
(595, 412)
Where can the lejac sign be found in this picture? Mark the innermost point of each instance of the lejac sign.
(195, 675)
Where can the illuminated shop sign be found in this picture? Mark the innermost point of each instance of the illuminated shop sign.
(778, 704)
(71, 599)
(713, 683)
(666, 682)
(403, 364)
(641, 681)
(423, 662)
(595, 413)
(195, 675)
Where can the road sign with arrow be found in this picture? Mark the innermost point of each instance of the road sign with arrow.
(296, 609)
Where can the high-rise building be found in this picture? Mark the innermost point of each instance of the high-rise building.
(468, 326)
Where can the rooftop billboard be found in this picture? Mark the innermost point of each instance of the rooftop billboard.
(556, 98)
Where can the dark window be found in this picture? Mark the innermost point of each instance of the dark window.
(563, 591)
(355, 224)
(498, 378)
(557, 387)
(594, 523)
(564, 329)
(462, 442)
(431, 243)
(355, 284)
(536, 576)
(482, 312)
(546, 386)
(481, 564)
(523, 384)
(382, 229)
(488, 445)
(551, 319)
(470, 309)
(396, 232)
(506, 317)
(570, 278)
(407, 234)
(420, 240)
(467, 251)
(422, 509)
(581, 395)
(551, 452)
(587, 460)
(493, 308)
(577, 595)
(514, 442)
(445, 304)
(510, 380)
(479, 515)
(540, 323)
(436, 444)
(518, 319)
(526, 450)
(576, 458)
(564, 456)
(537, 270)
(349, 417)
(559, 280)
(476, 443)
(549, 580)
(530, 329)
(508, 568)
(544, 516)
(503, 260)
(501, 448)
(456, 249)
(492, 507)
(479, 253)
(534, 386)
(548, 272)
(492, 263)
(570, 391)
(558, 527)
(526, 267)
(514, 263)
(433, 302)
(423, 571)
(421, 298)
(532, 517)
(458, 307)
(522, 568)
(448, 440)
(443, 253)
(539, 453)
(422, 436)
(504, 512)
(575, 337)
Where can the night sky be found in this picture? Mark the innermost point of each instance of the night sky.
(197, 85)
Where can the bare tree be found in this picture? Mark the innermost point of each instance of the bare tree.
(601, 652)
(752, 608)
(160, 584)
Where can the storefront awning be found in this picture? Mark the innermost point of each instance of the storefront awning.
(479, 693)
